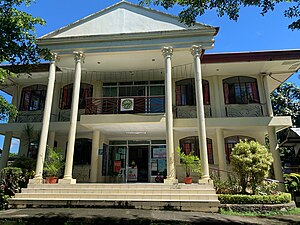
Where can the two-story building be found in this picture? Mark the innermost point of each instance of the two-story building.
(130, 84)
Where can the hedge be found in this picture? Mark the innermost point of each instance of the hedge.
(255, 199)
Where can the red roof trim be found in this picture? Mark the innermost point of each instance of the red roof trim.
(251, 56)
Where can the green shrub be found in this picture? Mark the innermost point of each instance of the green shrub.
(267, 187)
(27, 165)
(251, 161)
(255, 199)
(228, 186)
(11, 177)
(292, 182)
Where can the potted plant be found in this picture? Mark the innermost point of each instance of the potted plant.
(191, 164)
(53, 163)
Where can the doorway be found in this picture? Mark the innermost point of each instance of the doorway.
(139, 157)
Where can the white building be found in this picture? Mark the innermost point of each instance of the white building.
(132, 84)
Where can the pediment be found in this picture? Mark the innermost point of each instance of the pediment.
(123, 18)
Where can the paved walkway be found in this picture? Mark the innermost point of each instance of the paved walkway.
(57, 216)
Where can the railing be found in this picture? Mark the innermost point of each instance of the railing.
(64, 114)
(244, 110)
(33, 117)
(191, 111)
(125, 105)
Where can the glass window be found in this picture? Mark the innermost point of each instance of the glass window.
(86, 91)
(191, 144)
(158, 160)
(240, 90)
(186, 95)
(231, 141)
(116, 159)
(33, 98)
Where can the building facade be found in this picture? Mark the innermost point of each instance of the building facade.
(129, 85)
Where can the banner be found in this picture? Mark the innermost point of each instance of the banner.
(127, 104)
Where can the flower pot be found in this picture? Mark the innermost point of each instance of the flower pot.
(51, 180)
(188, 180)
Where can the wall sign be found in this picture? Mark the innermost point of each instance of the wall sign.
(127, 104)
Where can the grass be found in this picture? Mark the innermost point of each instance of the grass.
(295, 211)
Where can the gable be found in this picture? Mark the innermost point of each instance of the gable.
(122, 18)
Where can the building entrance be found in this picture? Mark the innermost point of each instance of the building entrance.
(134, 161)
(138, 159)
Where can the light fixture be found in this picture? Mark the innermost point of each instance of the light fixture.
(136, 132)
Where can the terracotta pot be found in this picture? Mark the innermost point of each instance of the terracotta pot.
(51, 180)
(188, 180)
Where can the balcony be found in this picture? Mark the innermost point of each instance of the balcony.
(125, 105)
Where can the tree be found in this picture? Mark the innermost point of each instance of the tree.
(191, 9)
(286, 101)
(251, 161)
(17, 44)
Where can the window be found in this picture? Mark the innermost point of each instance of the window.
(191, 144)
(186, 95)
(230, 142)
(33, 98)
(86, 91)
(240, 90)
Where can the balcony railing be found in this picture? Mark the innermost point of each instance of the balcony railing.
(244, 110)
(188, 111)
(125, 105)
(33, 117)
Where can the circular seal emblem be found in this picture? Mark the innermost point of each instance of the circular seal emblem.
(127, 104)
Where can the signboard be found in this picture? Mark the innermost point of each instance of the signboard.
(117, 166)
(132, 174)
(127, 104)
(159, 152)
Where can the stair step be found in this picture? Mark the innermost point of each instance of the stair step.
(118, 196)
(117, 191)
(124, 186)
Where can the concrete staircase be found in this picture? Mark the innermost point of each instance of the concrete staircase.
(192, 197)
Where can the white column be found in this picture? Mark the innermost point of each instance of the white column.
(78, 57)
(267, 96)
(94, 158)
(46, 120)
(51, 139)
(6, 149)
(23, 148)
(196, 52)
(171, 172)
(221, 153)
(276, 157)
(217, 99)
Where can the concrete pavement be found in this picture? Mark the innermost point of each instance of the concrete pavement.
(57, 216)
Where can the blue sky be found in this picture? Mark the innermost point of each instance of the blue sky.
(252, 32)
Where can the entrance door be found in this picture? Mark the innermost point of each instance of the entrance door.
(139, 157)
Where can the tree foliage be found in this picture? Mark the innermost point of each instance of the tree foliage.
(251, 161)
(17, 43)
(286, 100)
(192, 9)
